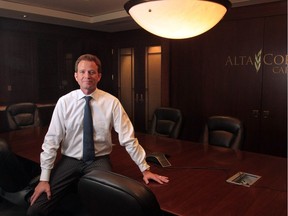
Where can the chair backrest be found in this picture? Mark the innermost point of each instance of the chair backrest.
(17, 176)
(107, 193)
(22, 115)
(224, 131)
(166, 121)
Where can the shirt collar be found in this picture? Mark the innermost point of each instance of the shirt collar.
(81, 95)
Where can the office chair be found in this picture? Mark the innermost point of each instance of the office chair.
(223, 131)
(107, 193)
(167, 122)
(22, 115)
(18, 176)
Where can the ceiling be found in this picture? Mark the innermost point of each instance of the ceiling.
(101, 15)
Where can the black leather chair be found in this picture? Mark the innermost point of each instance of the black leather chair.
(18, 176)
(22, 115)
(223, 131)
(107, 193)
(167, 122)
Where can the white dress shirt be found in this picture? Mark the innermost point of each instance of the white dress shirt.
(66, 129)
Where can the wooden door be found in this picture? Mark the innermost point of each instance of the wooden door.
(139, 83)
(139, 94)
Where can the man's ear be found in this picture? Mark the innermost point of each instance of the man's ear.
(100, 76)
(76, 76)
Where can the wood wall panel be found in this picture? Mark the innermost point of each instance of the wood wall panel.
(34, 59)
(232, 86)
(215, 74)
(47, 70)
(274, 94)
(4, 76)
(186, 84)
(17, 66)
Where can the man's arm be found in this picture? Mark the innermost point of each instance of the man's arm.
(43, 186)
(49, 153)
(126, 138)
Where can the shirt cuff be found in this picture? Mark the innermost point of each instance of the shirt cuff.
(45, 175)
(144, 166)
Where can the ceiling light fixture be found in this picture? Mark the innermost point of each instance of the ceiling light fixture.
(177, 19)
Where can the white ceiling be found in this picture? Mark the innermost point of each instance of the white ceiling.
(102, 15)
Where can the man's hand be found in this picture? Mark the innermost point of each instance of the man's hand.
(42, 187)
(158, 178)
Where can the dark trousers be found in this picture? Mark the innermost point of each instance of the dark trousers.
(64, 178)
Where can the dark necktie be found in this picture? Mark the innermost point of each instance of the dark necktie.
(88, 142)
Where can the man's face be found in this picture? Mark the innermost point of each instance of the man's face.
(87, 76)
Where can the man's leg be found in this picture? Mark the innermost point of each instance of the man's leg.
(101, 162)
(63, 176)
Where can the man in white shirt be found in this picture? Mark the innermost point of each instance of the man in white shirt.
(66, 131)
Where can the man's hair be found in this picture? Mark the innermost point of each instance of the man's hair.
(89, 57)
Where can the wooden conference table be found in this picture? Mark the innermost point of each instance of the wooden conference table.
(197, 176)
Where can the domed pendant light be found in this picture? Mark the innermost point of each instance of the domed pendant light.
(177, 19)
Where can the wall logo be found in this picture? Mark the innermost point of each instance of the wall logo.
(257, 62)
(277, 62)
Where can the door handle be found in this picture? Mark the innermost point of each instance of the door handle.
(266, 114)
(255, 113)
(141, 100)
